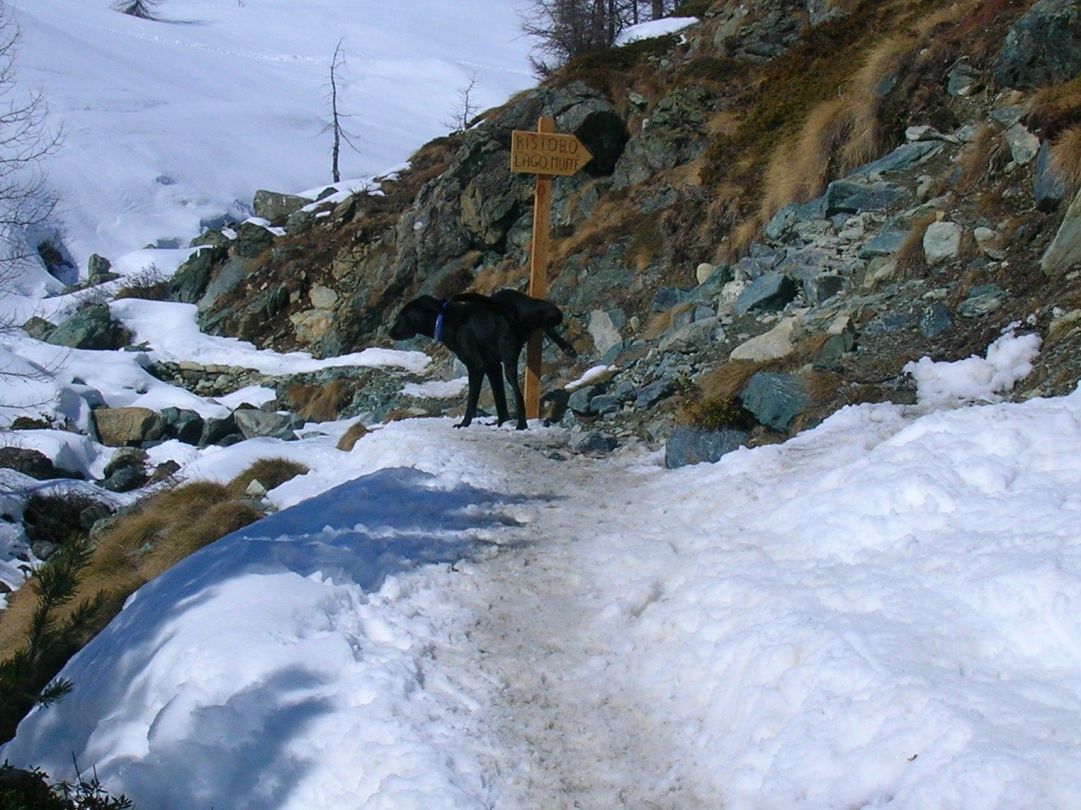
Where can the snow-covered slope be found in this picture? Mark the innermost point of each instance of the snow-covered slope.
(171, 121)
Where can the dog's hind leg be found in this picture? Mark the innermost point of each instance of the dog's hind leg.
(519, 400)
(499, 394)
(476, 377)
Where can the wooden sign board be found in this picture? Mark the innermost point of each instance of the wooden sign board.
(547, 153)
(544, 153)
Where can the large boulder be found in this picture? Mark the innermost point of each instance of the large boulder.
(775, 399)
(92, 327)
(1065, 249)
(1042, 48)
(276, 207)
(126, 427)
(33, 463)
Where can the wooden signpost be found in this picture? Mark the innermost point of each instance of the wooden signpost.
(545, 154)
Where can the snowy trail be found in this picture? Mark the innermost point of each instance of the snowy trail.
(564, 735)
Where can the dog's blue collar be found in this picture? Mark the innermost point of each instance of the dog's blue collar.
(439, 322)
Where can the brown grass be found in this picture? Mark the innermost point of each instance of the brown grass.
(910, 258)
(270, 472)
(837, 135)
(978, 159)
(728, 380)
(1066, 157)
(356, 432)
(320, 403)
(187, 538)
(164, 529)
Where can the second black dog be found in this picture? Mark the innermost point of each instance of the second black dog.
(481, 336)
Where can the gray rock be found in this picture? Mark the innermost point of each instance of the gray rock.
(666, 298)
(604, 404)
(900, 159)
(771, 291)
(38, 328)
(225, 281)
(981, 301)
(962, 79)
(1042, 48)
(653, 393)
(791, 215)
(190, 280)
(775, 399)
(97, 269)
(183, 424)
(942, 242)
(1065, 249)
(32, 463)
(934, 320)
(888, 240)
(834, 349)
(125, 479)
(251, 240)
(92, 327)
(254, 423)
(215, 430)
(1049, 187)
(275, 207)
(820, 289)
(1023, 145)
(593, 441)
(849, 197)
(888, 323)
(691, 445)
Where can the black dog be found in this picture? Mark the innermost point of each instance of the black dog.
(525, 314)
(482, 337)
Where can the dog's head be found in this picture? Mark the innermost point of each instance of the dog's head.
(415, 318)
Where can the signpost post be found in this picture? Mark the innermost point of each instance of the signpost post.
(545, 154)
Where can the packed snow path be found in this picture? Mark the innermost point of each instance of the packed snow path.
(569, 736)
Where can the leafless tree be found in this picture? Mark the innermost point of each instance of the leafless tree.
(26, 204)
(337, 66)
(564, 29)
(137, 8)
(465, 111)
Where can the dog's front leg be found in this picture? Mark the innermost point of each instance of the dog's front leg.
(476, 377)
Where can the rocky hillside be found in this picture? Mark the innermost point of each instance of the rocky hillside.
(789, 200)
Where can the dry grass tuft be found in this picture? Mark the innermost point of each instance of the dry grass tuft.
(728, 380)
(910, 257)
(978, 159)
(356, 432)
(270, 472)
(837, 135)
(320, 403)
(187, 538)
(1066, 157)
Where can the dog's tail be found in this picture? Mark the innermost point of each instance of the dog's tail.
(559, 340)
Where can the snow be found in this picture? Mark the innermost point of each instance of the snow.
(880, 612)
(653, 28)
(170, 122)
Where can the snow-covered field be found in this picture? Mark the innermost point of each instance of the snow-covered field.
(172, 121)
(882, 612)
